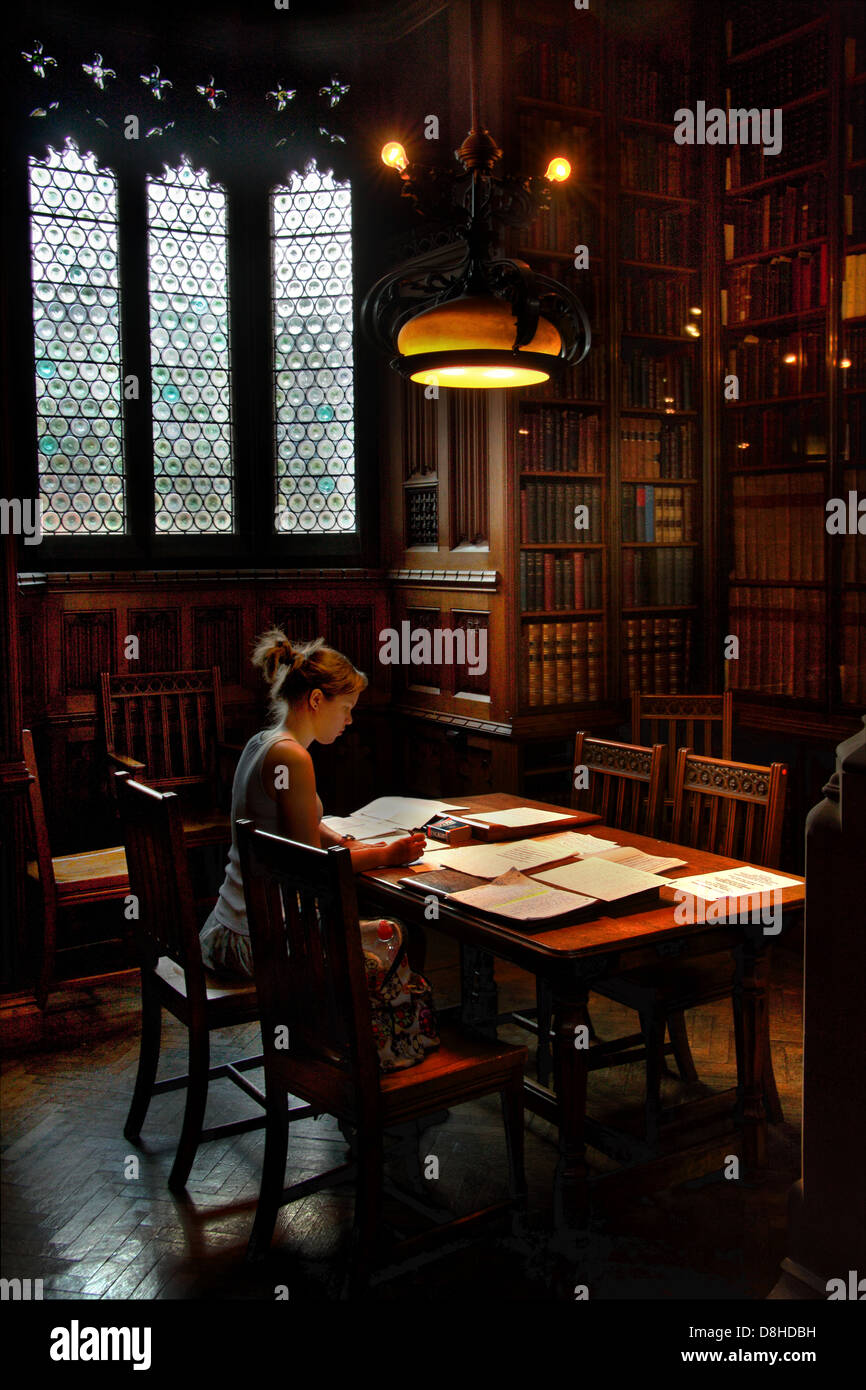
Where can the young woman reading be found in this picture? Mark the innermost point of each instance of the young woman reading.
(313, 690)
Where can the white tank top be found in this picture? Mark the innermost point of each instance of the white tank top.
(250, 801)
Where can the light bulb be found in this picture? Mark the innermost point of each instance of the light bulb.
(394, 155)
(558, 169)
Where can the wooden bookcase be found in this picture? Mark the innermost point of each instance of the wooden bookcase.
(792, 439)
(629, 428)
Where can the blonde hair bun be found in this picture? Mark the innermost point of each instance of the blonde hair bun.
(294, 669)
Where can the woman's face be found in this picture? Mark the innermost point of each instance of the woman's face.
(332, 717)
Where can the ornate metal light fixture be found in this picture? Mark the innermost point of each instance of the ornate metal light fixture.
(463, 316)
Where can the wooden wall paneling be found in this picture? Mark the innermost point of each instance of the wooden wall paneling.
(158, 631)
(217, 640)
(468, 468)
(88, 647)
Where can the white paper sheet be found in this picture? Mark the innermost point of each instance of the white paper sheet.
(732, 883)
(521, 899)
(361, 827)
(599, 878)
(517, 816)
(636, 859)
(489, 861)
(572, 842)
(405, 812)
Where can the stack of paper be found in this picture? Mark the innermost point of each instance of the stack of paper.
(521, 899)
(636, 859)
(489, 861)
(388, 816)
(611, 883)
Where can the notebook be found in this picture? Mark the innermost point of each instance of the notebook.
(526, 903)
(620, 889)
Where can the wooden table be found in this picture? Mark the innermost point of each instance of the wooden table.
(571, 959)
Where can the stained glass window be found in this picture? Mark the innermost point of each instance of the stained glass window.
(311, 228)
(76, 318)
(189, 353)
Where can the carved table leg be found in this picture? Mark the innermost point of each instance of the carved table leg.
(752, 974)
(571, 1193)
(478, 992)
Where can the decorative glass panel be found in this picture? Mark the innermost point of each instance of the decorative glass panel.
(76, 316)
(313, 358)
(189, 353)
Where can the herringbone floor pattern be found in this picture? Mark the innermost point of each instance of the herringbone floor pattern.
(82, 1216)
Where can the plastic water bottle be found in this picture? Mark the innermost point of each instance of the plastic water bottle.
(382, 941)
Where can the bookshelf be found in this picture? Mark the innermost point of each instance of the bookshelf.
(613, 606)
(789, 307)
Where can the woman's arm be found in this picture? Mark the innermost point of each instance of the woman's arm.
(297, 808)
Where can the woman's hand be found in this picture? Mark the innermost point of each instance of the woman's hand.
(404, 850)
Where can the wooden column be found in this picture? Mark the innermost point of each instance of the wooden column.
(827, 1207)
(13, 783)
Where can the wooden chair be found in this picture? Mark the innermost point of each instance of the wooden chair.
(727, 808)
(166, 729)
(624, 788)
(173, 976)
(702, 722)
(68, 882)
(318, 1040)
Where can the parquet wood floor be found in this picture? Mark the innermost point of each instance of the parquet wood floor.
(74, 1217)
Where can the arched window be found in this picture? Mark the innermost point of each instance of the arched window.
(189, 353)
(76, 320)
(311, 241)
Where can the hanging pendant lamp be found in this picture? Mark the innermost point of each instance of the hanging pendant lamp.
(462, 316)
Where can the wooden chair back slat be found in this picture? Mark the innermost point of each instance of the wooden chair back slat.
(728, 808)
(625, 782)
(682, 721)
(159, 878)
(303, 915)
(169, 720)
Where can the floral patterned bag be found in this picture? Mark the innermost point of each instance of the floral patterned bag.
(401, 1003)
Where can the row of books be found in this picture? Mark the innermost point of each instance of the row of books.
(656, 304)
(784, 285)
(653, 165)
(658, 514)
(563, 72)
(855, 353)
(661, 238)
(852, 671)
(806, 140)
(792, 70)
(564, 663)
(854, 205)
(854, 287)
(552, 581)
(658, 448)
(780, 366)
(569, 221)
(656, 654)
(560, 440)
(657, 577)
(538, 138)
(778, 526)
(752, 24)
(585, 382)
(781, 635)
(548, 513)
(782, 216)
(795, 432)
(660, 382)
(651, 92)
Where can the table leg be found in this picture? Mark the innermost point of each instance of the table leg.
(571, 1191)
(478, 992)
(752, 974)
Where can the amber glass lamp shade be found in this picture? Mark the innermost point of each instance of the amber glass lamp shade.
(469, 342)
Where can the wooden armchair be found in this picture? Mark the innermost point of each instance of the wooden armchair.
(318, 1040)
(68, 882)
(701, 722)
(165, 728)
(625, 789)
(173, 976)
(727, 808)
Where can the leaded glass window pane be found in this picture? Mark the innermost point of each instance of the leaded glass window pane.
(311, 226)
(76, 319)
(189, 353)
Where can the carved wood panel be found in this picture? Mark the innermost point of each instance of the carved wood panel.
(420, 430)
(472, 675)
(88, 648)
(299, 621)
(217, 641)
(350, 631)
(158, 633)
